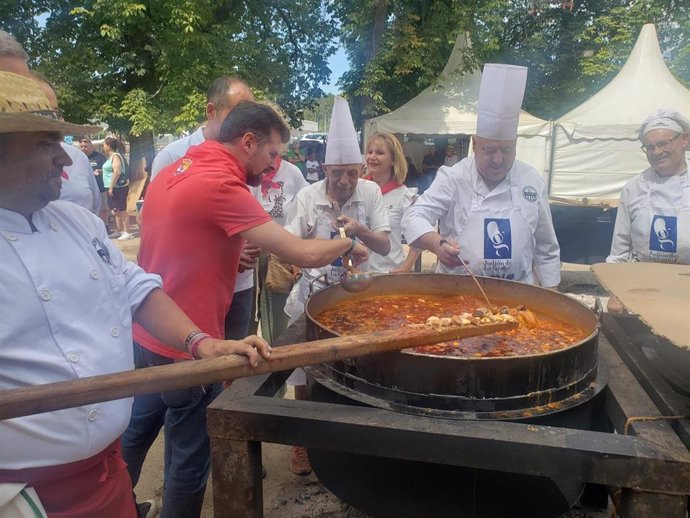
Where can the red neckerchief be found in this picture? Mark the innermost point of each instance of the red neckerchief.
(267, 182)
(388, 187)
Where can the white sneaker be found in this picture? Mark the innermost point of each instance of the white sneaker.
(125, 236)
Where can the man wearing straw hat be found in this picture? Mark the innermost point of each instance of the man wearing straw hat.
(68, 299)
(492, 210)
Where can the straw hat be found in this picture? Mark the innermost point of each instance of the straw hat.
(24, 107)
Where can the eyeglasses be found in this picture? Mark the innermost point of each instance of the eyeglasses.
(664, 145)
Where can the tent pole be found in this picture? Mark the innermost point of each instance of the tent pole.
(552, 152)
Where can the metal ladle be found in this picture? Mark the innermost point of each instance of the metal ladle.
(353, 282)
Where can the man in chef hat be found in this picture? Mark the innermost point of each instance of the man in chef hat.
(493, 210)
(342, 199)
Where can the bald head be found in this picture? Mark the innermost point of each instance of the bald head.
(223, 95)
(13, 58)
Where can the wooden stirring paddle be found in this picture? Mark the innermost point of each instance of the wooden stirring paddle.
(84, 391)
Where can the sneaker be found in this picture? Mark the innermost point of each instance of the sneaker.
(114, 235)
(125, 236)
(148, 509)
(299, 462)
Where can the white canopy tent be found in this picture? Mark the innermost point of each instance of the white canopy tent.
(596, 147)
(449, 108)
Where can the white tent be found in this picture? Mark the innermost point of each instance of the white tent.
(595, 147)
(450, 108)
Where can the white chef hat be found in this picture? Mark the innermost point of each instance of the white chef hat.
(500, 98)
(665, 118)
(342, 146)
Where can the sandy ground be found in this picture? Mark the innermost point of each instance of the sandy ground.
(289, 496)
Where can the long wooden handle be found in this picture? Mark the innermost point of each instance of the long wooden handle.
(84, 391)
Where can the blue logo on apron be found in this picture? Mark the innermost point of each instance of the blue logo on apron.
(497, 242)
(662, 236)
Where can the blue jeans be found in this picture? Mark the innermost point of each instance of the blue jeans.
(240, 315)
(187, 448)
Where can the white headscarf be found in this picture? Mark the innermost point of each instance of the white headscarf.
(665, 118)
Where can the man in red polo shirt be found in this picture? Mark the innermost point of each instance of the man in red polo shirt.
(199, 212)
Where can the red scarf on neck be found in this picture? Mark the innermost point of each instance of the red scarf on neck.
(387, 187)
(267, 182)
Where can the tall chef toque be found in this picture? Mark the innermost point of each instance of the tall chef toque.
(342, 146)
(24, 107)
(500, 99)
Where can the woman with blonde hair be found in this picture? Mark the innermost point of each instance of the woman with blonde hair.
(386, 165)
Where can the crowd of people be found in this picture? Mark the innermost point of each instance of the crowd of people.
(237, 223)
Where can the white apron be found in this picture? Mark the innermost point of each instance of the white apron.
(496, 242)
(661, 233)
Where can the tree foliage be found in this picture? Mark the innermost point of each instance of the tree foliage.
(145, 65)
(397, 48)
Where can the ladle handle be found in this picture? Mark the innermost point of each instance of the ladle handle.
(325, 281)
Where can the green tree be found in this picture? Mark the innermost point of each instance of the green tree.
(397, 48)
(321, 112)
(143, 66)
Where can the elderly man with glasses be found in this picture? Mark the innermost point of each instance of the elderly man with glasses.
(653, 221)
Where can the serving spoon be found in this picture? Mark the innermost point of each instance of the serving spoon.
(351, 280)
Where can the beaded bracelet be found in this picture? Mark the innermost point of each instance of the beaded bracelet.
(191, 343)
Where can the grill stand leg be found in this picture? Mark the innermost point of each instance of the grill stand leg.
(237, 480)
(652, 505)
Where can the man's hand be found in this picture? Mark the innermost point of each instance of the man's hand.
(614, 305)
(252, 347)
(351, 225)
(359, 254)
(447, 251)
(248, 257)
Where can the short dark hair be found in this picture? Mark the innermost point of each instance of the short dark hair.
(114, 144)
(256, 118)
(219, 89)
(85, 138)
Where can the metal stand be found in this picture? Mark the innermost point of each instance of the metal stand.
(651, 464)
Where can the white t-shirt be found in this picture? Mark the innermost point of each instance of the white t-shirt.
(312, 170)
(80, 186)
(64, 319)
(277, 199)
(396, 202)
(175, 150)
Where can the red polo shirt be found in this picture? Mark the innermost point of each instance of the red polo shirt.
(194, 213)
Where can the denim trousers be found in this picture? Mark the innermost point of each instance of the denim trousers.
(237, 321)
(182, 413)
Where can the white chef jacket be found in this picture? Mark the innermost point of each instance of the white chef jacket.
(279, 200)
(67, 297)
(171, 154)
(80, 186)
(313, 216)
(459, 195)
(653, 220)
(396, 202)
